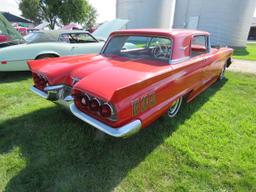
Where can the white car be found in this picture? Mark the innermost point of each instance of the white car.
(68, 43)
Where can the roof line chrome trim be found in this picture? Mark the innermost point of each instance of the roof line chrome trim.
(123, 132)
(39, 92)
(69, 98)
(177, 61)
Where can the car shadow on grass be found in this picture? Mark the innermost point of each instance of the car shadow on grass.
(8, 77)
(62, 153)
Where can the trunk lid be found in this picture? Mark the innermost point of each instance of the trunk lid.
(106, 28)
(104, 77)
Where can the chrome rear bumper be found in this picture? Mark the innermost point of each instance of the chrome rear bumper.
(59, 94)
(124, 131)
(39, 92)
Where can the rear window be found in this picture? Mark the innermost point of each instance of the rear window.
(140, 47)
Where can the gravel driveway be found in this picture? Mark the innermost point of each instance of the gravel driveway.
(243, 66)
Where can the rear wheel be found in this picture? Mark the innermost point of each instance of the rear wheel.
(222, 73)
(174, 109)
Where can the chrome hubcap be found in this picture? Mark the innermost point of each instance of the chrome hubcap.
(173, 110)
(222, 73)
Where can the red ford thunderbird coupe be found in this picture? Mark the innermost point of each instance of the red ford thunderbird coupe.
(138, 76)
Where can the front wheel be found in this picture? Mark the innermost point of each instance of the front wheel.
(174, 109)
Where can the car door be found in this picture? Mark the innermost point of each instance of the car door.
(193, 71)
(200, 47)
(188, 74)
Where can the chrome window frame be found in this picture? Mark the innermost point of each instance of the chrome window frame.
(153, 36)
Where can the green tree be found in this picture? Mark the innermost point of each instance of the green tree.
(30, 10)
(55, 11)
(91, 17)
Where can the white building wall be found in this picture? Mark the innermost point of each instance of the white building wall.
(227, 20)
(146, 13)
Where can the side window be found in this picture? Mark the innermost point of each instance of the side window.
(64, 38)
(81, 38)
(199, 45)
(77, 38)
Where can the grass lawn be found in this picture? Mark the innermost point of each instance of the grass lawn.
(209, 146)
(248, 53)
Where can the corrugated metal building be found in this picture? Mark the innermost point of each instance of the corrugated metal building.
(252, 34)
(227, 20)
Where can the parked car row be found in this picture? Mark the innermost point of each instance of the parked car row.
(48, 44)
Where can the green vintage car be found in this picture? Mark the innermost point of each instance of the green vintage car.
(62, 43)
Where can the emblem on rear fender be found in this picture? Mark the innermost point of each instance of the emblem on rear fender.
(143, 103)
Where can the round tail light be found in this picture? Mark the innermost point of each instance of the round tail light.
(40, 82)
(94, 104)
(84, 100)
(106, 110)
(36, 78)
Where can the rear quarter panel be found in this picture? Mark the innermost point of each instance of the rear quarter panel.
(153, 97)
(177, 80)
(217, 59)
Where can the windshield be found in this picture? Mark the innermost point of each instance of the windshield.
(139, 47)
(31, 37)
(8, 33)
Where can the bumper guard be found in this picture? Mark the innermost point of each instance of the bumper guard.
(59, 94)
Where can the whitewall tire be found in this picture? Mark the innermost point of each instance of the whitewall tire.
(174, 109)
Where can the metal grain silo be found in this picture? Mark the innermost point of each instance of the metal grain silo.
(146, 13)
(227, 20)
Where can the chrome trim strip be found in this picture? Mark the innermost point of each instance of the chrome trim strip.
(176, 61)
(69, 98)
(39, 92)
(53, 88)
(124, 131)
(111, 108)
